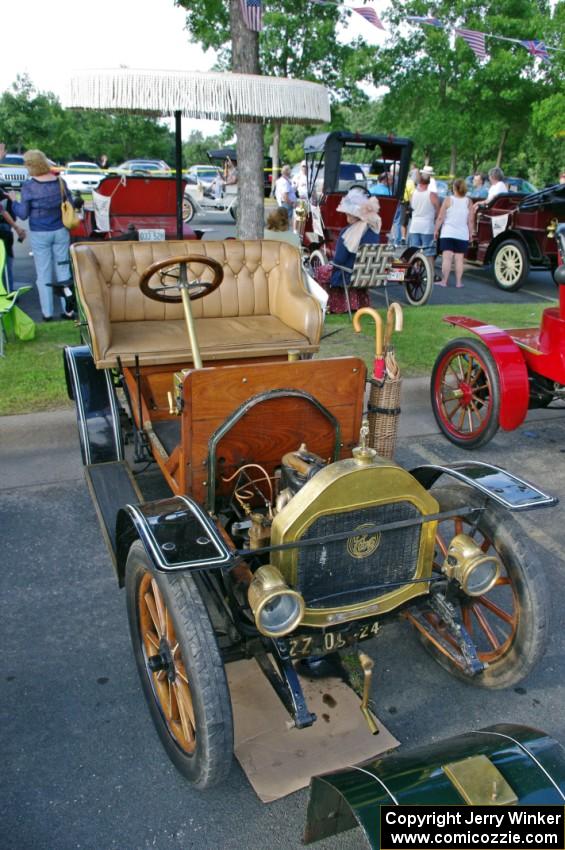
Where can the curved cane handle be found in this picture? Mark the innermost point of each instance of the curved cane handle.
(394, 316)
(369, 311)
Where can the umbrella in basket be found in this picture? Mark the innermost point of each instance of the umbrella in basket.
(384, 395)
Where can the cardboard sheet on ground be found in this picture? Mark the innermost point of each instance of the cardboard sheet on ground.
(279, 760)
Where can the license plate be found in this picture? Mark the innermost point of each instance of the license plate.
(396, 274)
(321, 643)
(155, 234)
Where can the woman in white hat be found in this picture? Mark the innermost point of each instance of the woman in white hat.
(363, 228)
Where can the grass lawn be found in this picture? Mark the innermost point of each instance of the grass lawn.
(424, 333)
(31, 373)
(32, 378)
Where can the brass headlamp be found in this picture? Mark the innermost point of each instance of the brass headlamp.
(277, 609)
(469, 566)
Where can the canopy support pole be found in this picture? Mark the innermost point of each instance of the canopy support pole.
(178, 171)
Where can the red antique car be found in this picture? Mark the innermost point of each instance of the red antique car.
(479, 385)
(516, 233)
(140, 207)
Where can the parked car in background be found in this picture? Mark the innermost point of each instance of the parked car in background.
(12, 171)
(443, 188)
(350, 174)
(518, 184)
(82, 176)
(204, 174)
(154, 167)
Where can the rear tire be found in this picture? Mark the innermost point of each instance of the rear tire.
(188, 210)
(510, 265)
(188, 699)
(419, 279)
(465, 393)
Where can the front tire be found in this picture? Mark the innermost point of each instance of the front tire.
(465, 393)
(508, 624)
(510, 265)
(419, 279)
(181, 670)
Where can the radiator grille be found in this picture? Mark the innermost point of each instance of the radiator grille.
(331, 575)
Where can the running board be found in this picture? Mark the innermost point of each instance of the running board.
(111, 486)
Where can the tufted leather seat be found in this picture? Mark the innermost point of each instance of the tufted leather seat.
(260, 309)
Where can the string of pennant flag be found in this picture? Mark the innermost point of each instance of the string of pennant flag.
(252, 15)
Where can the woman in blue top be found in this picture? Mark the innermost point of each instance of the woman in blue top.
(41, 203)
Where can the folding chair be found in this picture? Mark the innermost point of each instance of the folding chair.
(371, 268)
(7, 299)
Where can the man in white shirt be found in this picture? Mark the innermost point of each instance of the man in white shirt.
(497, 184)
(285, 194)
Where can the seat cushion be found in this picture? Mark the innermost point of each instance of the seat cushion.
(219, 339)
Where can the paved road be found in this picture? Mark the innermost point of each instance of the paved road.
(82, 765)
(478, 284)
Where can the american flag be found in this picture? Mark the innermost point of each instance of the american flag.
(419, 19)
(537, 49)
(475, 40)
(370, 15)
(252, 14)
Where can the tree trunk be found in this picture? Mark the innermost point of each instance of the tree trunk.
(501, 147)
(276, 149)
(245, 60)
(453, 160)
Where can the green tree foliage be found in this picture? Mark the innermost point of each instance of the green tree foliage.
(463, 113)
(33, 119)
(298, 40)
(195, 149)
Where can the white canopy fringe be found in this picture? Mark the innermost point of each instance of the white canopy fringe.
(219, 96)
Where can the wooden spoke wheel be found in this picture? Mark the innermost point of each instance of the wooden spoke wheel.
(419, 279)
(170, 275)
(465, 393)
(188, 211)
(181, 669)
(510, 265)
(508, 624)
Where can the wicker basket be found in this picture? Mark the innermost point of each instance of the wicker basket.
(384, 413)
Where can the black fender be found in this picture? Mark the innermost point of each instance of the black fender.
(525, 765)
(98, 415)
(494, 483)
(176, 534)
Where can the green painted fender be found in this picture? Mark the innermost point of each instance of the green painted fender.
(530, 761)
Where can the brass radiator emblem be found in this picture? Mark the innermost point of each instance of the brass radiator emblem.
(363, 545)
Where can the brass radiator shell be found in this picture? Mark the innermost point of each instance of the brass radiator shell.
(348, 486)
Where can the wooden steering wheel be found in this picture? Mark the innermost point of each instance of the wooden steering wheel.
(179, 279)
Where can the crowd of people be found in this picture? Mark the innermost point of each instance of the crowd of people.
(420, 221)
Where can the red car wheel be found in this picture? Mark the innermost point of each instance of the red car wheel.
(465, 393)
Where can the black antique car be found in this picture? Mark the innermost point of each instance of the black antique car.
(283, 536)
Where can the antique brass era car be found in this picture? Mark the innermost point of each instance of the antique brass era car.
(283, 537)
